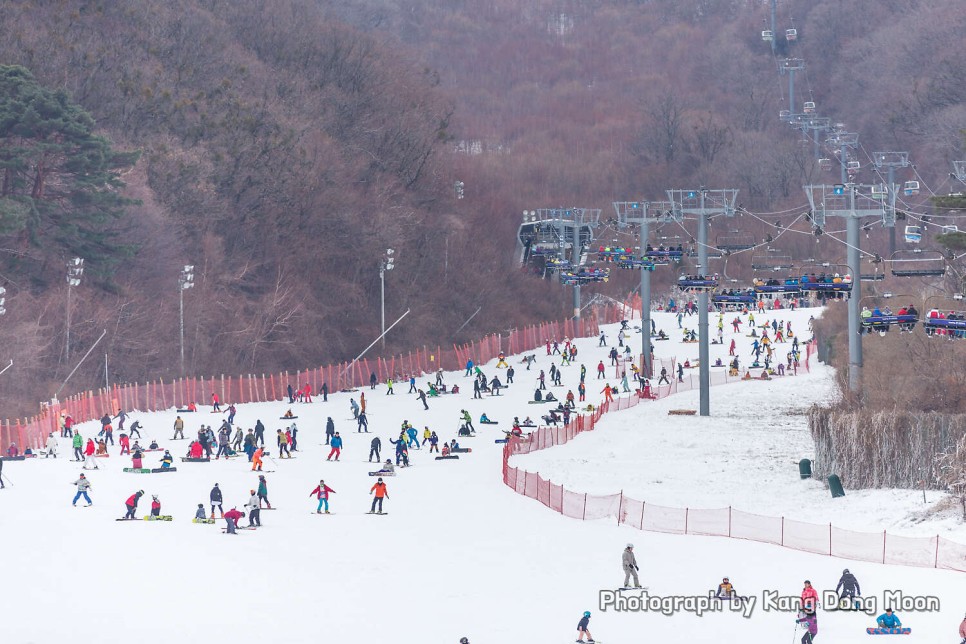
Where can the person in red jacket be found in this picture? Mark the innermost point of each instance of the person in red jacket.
(215, 404)
(322, 492)
(231, 518)
(809, 598)
(195, 451)
(125, 444)
(600, 370)
(90, 463)
(132, 504)
(155, 507)
(381, 492)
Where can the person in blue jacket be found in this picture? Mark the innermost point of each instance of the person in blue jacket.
(402, 454)
(582, 628)
(888, 620)
(469, 367)
(413, 437)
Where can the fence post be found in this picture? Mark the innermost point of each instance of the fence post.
(643, 506)
(936, 564)
(729, 520)
(783, 532)
(524, 483)
(883, 545)
(584, 516)
(830, 539)
(620, 508)
(686, 512)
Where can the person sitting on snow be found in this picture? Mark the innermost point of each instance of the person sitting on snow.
(453, 445)
(484, 418)
(387, 467)
(888, 620)
(445, 449)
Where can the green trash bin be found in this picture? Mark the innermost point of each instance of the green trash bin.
(835, 486)
(805, 468)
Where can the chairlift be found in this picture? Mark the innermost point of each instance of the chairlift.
(945, 317)
(913, 234)
(809, 107)
(825, 279)
(853, 166)
(929, 263)
(950, 229)
(768, 35)
(881, 317)
(734, 299)
(910, 188)
(697, 283)
(825, 164)
(734, 243)
(880, 191)
(791, 34)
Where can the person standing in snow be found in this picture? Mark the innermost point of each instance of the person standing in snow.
(336, 447)
(263, 491)
(231, 518)
(83, 486)
(374, 448)
(848, 587)
(178, 428)
(810, 620)
(132, 504)
(321, 492)
(78, 442)
(51, 446)
(380, 493)
(254, 510)
(215, 498)
(282, 440)
(809, 597)
(90, 462)
(629, 562)
(259, 433)
(585, 620)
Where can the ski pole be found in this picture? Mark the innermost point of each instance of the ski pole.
(7, 479)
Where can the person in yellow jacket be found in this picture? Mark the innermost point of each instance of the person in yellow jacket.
(426, 435)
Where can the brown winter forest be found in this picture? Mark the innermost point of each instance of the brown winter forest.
(285, 144)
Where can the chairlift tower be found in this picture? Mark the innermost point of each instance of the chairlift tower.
(891, 161)
(790, 66)
(645, 213)
(816, 124)
(702, 203)
(573, 229)
(843, 141)
(852, 202)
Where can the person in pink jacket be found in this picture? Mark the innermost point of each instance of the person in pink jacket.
(321, 492)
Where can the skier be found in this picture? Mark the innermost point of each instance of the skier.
(215, 497)
(363, 425)
(322, 492)
(329, 430)
(584, 622)
(381, 492)
(336, 447)
(629, 562)
(374, 448)
(389, 384)
(231, 518)
(810, 619)
(83, 485)
(132, 504)
(263, 491)
(282, 445)
(254, 510)
(848, 587)
(663, 379)
(257, 459)
(888, 620)
(259, 433)
(155, 506)
(78, 442)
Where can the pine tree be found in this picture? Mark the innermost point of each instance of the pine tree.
(61, 187)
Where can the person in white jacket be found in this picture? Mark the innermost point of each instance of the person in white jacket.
(254, 514)
(629, 563)
(51, 446)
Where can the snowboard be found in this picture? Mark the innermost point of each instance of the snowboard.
(163, 517)
(500, 440)
(888, 631)
(187, 459)
(138, 470)
(266, 509)
(377, 513)
(156, 449)
(491, 422)
(185, 411)
(448, 458)
(462, 450)
(159, 470)
(322, 513)
(126, 519)
(287, 417)
(382, 473)
(538, 402)
(197, 520)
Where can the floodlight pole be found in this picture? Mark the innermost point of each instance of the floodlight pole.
(855, 337)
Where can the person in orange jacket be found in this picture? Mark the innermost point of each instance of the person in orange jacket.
(257, 459)
(608, 395)
(381, 492)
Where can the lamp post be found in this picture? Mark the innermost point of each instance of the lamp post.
(75, 270)
(185, 281)
(385, 264)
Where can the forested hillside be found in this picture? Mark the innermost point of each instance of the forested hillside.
(281, 146)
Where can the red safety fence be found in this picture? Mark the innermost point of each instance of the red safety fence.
(824, 539)
(245, 388)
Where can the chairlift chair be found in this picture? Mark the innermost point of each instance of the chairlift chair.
(928, 263)
(768, 35)
(880, 191)
(913, 234)
(791, 34)
(853, 166)
(944, 317)
(881, 318)
(809, 107)
(825, 164)
(910, 188)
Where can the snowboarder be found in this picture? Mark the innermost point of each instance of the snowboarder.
(178, 428)
(215, 497)
(263, 491)
(83, 486)
(422, 399)
(51, 446)
(380, 493)
(336, 447)
(200, 512)
(848, 587)
(282, 440)
(584, 622)
(166, 460)
(374, 448)
(215, 404)
(257, 459)
(322, 492)
(809, 597)
(90, 462)
(888, 620)
(363, 421)
(329, 430)
(132, 504)
(629, 562)
(155, 506)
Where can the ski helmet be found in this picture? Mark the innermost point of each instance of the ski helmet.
(463, 640)
(845, 572)
(379, 480)
(586, 613)
(630, 545)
